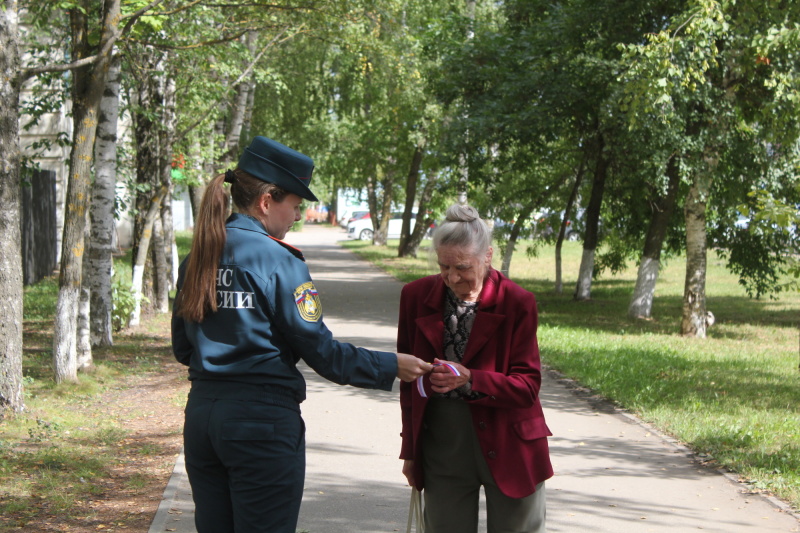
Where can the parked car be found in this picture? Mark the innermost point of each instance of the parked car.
(361, 228)
(348, 215)
(358, 215)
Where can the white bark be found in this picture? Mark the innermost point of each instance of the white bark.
(87, 93)
(693, 323)
(65, 363)
(644, 293)
(170, 250)
(505, 267)
(11, 396)
(141, 256)
(159, 264)
(83, 343)
(583, 289)
(176, 262)
(136, 289)
(101, 246)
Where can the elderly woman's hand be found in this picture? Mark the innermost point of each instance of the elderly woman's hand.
(443, 380)
(408, 471)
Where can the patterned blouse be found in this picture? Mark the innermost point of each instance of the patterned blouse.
(459, 316)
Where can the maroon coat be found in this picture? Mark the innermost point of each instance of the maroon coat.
(503, 356)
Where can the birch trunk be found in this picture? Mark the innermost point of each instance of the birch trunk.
(11, 397)
(641, 305)
(583, 289)
(423, 220)
(161, 280)
(83, 351)
(411, 195)
(513, 237)
(101, 245)
(83, 342)
(381, 234)
(693, 322)
(167, 225)
(141, 256)
(562, 230)
(88, 86)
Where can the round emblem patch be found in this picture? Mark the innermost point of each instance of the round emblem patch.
(306, 298)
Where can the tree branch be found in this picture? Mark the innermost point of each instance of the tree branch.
(244, 74)
(226, 39)
(27, 73)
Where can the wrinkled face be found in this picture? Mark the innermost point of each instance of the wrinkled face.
(279, 217)
(463, 271)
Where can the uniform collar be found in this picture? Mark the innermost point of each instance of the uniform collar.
(246, 222)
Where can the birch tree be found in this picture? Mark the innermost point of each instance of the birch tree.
(715, 75)
(11, 398)
(100, 267)
(583, 287)
(88, 86)
(662, 206)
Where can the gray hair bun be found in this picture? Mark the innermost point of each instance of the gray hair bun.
(461, 213)
(463, 227)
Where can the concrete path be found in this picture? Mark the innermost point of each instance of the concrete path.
(613, 473)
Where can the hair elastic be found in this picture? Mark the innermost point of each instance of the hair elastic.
(230, 177)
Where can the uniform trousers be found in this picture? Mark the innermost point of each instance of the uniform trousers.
(455, 469)
(245, 458)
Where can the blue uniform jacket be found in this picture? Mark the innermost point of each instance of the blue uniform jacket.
(268, 318)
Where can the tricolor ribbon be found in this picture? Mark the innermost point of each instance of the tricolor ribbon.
(421, 387)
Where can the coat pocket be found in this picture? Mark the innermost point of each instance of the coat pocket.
(248, 430)
(532, 429)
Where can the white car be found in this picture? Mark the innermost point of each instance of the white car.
(362, 229)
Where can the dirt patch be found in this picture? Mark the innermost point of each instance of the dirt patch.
(149, 409)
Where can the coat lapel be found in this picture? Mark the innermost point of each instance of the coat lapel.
(486, 322)
(432, 325)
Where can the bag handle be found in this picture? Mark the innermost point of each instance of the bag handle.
(415, 512)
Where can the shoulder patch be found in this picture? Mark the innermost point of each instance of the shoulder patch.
(306, 298)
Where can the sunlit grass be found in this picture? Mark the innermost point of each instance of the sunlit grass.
(734, 395)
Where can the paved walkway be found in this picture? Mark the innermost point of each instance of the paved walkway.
(613, 473)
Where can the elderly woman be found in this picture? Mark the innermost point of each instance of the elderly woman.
(476, 420)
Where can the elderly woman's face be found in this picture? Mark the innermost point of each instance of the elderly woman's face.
(463, 271)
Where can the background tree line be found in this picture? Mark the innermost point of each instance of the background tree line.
(646, 127)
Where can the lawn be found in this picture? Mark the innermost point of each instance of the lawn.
(734, 396)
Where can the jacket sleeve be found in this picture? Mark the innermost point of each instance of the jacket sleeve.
(406, 391)
(516, 383)
(181, 347)
(312, 341)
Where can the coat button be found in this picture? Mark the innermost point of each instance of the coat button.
(492, 455)
(482, 425)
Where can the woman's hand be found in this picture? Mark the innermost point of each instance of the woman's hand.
(410, 368)
(408, 471)
(443, 380)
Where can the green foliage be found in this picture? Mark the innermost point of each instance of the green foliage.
(40, 299)
(43, 431)
(759, 259)
(124, 303)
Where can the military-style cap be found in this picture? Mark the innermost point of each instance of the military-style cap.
(273, 162)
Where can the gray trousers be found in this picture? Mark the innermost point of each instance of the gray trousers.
(455, 470)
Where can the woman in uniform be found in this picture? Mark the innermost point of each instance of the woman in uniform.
(245, 313)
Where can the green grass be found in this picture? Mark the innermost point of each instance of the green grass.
(734, 395)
